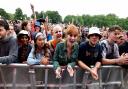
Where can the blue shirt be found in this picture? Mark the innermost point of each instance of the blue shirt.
(35, 59)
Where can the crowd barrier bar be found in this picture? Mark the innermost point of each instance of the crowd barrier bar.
(47, 67)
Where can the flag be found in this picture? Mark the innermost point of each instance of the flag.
(32, 7)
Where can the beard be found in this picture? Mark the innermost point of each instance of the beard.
(1, 37)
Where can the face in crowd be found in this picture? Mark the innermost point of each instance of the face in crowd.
(72, 33)
(114, 33)
(39, 40)
(23, 37)
(94, 35)
(94, 39)
(120, 39)
(104, 35)
(11, 30)
(26, 25)
(57, 32)
(2, 32)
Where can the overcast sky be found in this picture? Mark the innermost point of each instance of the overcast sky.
(69, 7)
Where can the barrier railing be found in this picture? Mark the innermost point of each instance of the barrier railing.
(33, 83)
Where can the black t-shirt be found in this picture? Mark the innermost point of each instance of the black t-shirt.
(123, 48)
(88, 54)
(23, 53)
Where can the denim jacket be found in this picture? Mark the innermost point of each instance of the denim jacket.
(60, 56)
(35, 59)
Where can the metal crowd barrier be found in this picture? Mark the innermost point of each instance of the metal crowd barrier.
(33, 85)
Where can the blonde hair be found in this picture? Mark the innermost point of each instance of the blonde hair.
(57, 27)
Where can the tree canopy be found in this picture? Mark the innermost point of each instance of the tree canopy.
(84, 20)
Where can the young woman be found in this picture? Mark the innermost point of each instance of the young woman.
(40, 53)
(66, 52)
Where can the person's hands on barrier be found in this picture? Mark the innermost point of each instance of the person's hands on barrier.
(123, 60)
(44, 60)
(24, 62)
(70, 70)
(58, 72)
(94, 73)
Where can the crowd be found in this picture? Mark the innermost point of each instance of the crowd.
(39, 42)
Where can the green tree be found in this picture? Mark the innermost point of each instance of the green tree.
(54, 16)
(79, 20)
(25, 17)
(11, 16)
(42, 14)
(99, 20)
(87, 20)
(111, 19)
(123, 23)
(69, 19)
(4, 14)
(18, 14)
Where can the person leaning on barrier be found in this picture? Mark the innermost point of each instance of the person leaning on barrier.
(90, 52)
(8, 45)
(40, 53)
(110, 51)
(66, 52)
(111, 56)
(123, 46)
(24, 47)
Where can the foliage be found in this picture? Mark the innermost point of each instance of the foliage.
(18, 14)
(84, 20)
(54, 16)
(4, 14)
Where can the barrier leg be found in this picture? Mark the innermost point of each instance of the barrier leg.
(122, 78)
(60, 82)
(32, 78)
(46, 78)
(100, 79)
(74, 80)
(85, 80)
(14, 78)
(2, 77)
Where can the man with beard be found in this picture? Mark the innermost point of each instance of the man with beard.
(8, 45)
